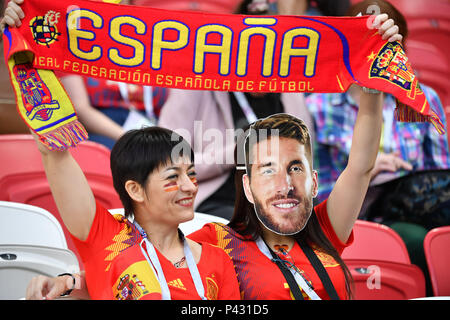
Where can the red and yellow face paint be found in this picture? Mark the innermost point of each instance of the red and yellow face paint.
(173, 185)
(194, 181)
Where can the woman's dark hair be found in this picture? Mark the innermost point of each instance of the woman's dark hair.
(245, 221)
(139, 152)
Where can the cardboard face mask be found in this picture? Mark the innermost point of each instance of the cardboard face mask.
(281, 184)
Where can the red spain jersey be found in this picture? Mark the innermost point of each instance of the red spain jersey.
(116, 268)
(260, 278)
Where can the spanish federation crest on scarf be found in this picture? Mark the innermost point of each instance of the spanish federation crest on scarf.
(391, 64)
(42, 101)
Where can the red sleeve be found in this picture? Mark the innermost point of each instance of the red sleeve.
(206, 234)
(103, 229)
(327, 228)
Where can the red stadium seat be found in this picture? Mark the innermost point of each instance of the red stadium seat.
(383, 280)
(433, 69)
(23, 180)
(436, 9)
(437, 254)
(431, 66)
(428, 21)
(374, 241)
(380, 265)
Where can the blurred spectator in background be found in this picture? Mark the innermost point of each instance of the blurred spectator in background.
(411, 178)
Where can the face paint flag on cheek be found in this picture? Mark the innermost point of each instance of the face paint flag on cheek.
(171, 186)
(194, 181)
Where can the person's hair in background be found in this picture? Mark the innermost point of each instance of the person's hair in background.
(369, 7)
(139, 152)
(245, 220)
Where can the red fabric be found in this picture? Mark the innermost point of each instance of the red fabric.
(258, 277)
(324, 221)
(190, 50)
(116, 268)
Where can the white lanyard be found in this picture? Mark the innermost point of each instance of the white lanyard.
(245, 106)
(149, 252)
(298, 278)
(147, 98)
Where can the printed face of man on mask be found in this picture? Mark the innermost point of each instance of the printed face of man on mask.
(281, 184)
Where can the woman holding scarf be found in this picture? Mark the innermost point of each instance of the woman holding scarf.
(148, 258)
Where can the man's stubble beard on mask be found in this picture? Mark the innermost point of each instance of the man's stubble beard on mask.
(270, 222)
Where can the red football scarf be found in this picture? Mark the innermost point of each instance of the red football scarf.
(192, 50)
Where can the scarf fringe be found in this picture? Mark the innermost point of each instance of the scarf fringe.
(65, 136)
(405, 113)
